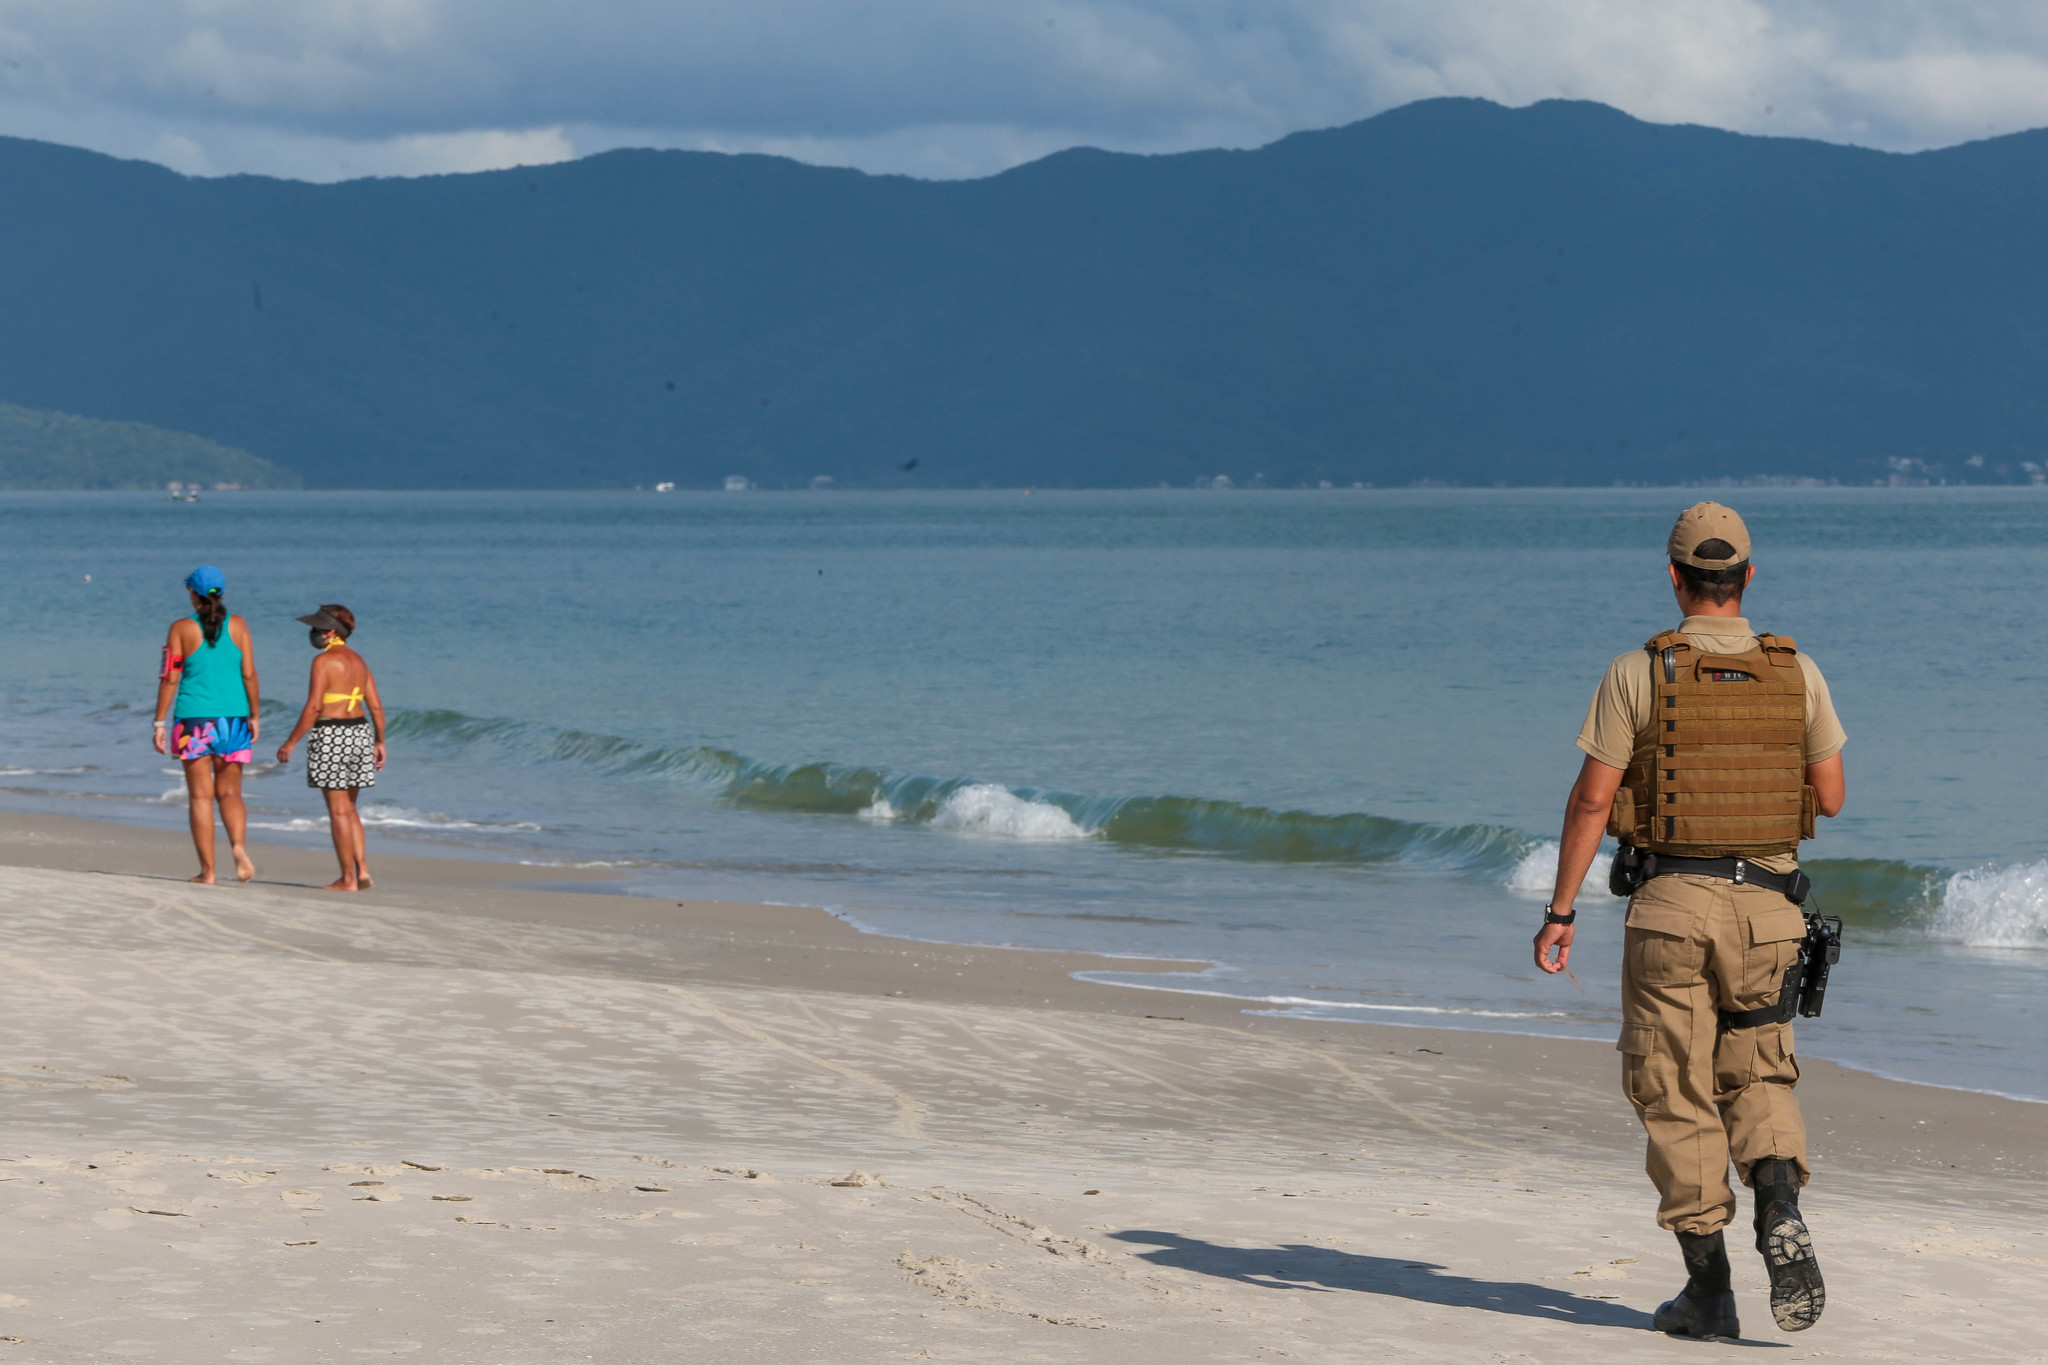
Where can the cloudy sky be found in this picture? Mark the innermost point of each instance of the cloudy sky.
(326, 89)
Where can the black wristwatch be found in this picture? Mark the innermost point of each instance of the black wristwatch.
(1552, 917)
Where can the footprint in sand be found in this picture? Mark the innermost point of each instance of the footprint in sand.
(1603, 1272)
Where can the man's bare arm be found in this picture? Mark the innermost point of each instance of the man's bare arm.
(1827, 781)
(1585, 821)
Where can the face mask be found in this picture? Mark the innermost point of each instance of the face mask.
(317, 638)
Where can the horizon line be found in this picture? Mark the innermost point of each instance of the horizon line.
(632, 149)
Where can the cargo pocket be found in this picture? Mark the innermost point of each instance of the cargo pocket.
(1775, 1063)
(1661, 945)
(1638, 1047)
(1774, 938)
(1809, 809)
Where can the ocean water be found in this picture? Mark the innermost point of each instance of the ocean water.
(1320, 739)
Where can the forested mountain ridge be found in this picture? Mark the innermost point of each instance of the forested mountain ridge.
(1451, 291)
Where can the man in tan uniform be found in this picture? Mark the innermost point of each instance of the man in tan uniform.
(1709, 751)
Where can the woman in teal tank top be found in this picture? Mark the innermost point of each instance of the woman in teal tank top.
(206, 691)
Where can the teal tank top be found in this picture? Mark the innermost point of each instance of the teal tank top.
(211, 684)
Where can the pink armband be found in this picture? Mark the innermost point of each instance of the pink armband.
(171, 665)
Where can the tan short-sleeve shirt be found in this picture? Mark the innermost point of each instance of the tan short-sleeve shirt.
(1622, 705)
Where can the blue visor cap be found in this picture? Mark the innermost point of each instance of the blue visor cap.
(207, 581)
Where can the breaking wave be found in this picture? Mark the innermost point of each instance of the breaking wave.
(1995, 907)
(1536, 873)
(972, 806)
(985, 808)
(1992, 907)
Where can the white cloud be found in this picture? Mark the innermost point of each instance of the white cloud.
(330, 88)
(484, 149)
(252, 148)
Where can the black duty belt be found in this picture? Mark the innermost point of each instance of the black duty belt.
(1793, 886)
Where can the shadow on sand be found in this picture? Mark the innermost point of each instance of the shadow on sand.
(1322, 1270)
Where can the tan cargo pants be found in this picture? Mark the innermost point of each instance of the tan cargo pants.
(1696, 946)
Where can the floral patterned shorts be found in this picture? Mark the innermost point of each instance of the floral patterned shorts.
(226, 738)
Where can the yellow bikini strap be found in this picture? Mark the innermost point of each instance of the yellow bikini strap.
(354, 698)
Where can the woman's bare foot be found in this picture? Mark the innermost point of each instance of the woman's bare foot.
(204, 878)
(244, 869)
(341, 884)
(363, 882)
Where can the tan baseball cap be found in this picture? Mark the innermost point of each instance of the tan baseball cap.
(1704, 521)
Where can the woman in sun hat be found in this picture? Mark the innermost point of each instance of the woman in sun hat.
(206, 715)
(346, 720)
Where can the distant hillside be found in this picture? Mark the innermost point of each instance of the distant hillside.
(56, 450)
(1451, 291)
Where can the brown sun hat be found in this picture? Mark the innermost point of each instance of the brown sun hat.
(1705, 521)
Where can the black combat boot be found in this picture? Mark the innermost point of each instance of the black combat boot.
(1706, 1306)
(1797, 1295)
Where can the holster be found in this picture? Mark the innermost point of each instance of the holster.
(1806, 980)
(1626, 872)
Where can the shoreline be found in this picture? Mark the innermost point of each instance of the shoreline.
(734, 943)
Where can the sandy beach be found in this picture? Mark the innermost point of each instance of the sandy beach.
(468, 1121)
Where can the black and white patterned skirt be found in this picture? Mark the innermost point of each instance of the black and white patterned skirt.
(341, 753)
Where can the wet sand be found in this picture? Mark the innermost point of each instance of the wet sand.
(474, 1122)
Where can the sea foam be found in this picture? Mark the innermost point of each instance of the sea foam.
(1536, 873)
(403, 817)
(985, 808)
(397, 817)
(1995, 907)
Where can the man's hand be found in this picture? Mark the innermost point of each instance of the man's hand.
(1556, 937)
(380, 755)
(284, 754)
(1585, 819)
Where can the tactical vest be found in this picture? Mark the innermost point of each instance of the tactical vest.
(1721, 768)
